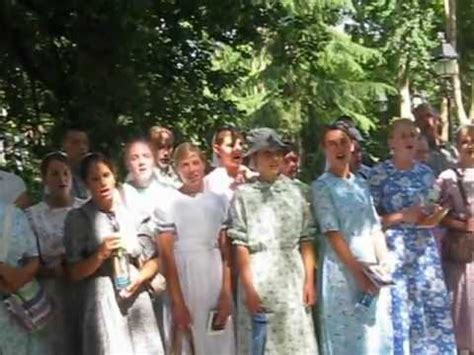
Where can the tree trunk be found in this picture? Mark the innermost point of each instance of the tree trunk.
(404, 92)
(471, 112)
(451, 25)
(443, 112)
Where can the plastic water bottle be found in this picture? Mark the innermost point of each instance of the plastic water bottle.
(121, 269)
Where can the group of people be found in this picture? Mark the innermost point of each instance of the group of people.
(244, 258)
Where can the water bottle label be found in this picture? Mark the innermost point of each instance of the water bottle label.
(121, 282)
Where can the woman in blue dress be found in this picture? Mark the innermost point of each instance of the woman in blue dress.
(353, 236)
(420, 306)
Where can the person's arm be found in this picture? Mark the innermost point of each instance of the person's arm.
(14, 278)
(410, 215)
(88, 266)
(455, 223)
(252, 299)
(148, 270)
(23, 201)
(224, 306)
(180, 310)
(308, 256)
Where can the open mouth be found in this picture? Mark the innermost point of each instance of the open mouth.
(237, 158)
(105, 191)
(340, 156)
(409, 147)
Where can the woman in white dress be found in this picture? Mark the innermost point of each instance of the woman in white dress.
(143, 192)
(229, 172)
(47, 221)
(195, 256)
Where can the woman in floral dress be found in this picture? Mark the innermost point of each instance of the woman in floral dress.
(352, 236)
(272, 232)
(420, 305)
(17, 268)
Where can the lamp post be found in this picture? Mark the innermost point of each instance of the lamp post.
(445, 67)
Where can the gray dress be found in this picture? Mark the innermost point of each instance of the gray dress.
(104, 324)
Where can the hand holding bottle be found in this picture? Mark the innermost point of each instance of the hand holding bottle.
(108, 246)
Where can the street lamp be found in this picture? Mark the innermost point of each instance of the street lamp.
(381, 101)
(445, 66)
(445, 58)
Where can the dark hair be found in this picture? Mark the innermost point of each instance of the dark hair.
(291, 148)
(218, 137)
(49, 158)
(74, 128)
(336, 126)
(94, 158)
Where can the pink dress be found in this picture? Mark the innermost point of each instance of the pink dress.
(460, 277)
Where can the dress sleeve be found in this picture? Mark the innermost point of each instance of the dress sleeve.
(376, 180)
(163, 220)
(76, 227)
(21, 229)
(238, 221)
(308, 231)
(324, 208)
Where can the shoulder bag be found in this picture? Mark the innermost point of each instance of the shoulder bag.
(458, 246)
(29, 305)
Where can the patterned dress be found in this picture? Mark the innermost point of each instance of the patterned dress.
(460, 277)
(345, 205)
(271, 220)
(48, 226)
(14, 340)
(102, 322)
(420, 305)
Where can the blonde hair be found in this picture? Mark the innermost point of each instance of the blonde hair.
(184, 150)
(464, 129)
(399, 122)
(160, 136)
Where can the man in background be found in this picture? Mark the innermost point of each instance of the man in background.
(76, 145)
(443, 155)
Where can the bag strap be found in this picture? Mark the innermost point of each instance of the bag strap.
(31, 218)
(5, 237)
(461, 186)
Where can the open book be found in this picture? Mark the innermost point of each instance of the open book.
(378, 275)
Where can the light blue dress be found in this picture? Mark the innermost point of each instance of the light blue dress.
(345, 205)
(14, 340)
(420, 305)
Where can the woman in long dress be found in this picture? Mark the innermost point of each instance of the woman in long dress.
(47, 221)
(17, 268)
(110, 321)
(193, 249)
(460, 276)
(353, 236)
(421, 317)
(272, 233)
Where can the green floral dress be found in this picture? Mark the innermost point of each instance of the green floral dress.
(271, 220)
